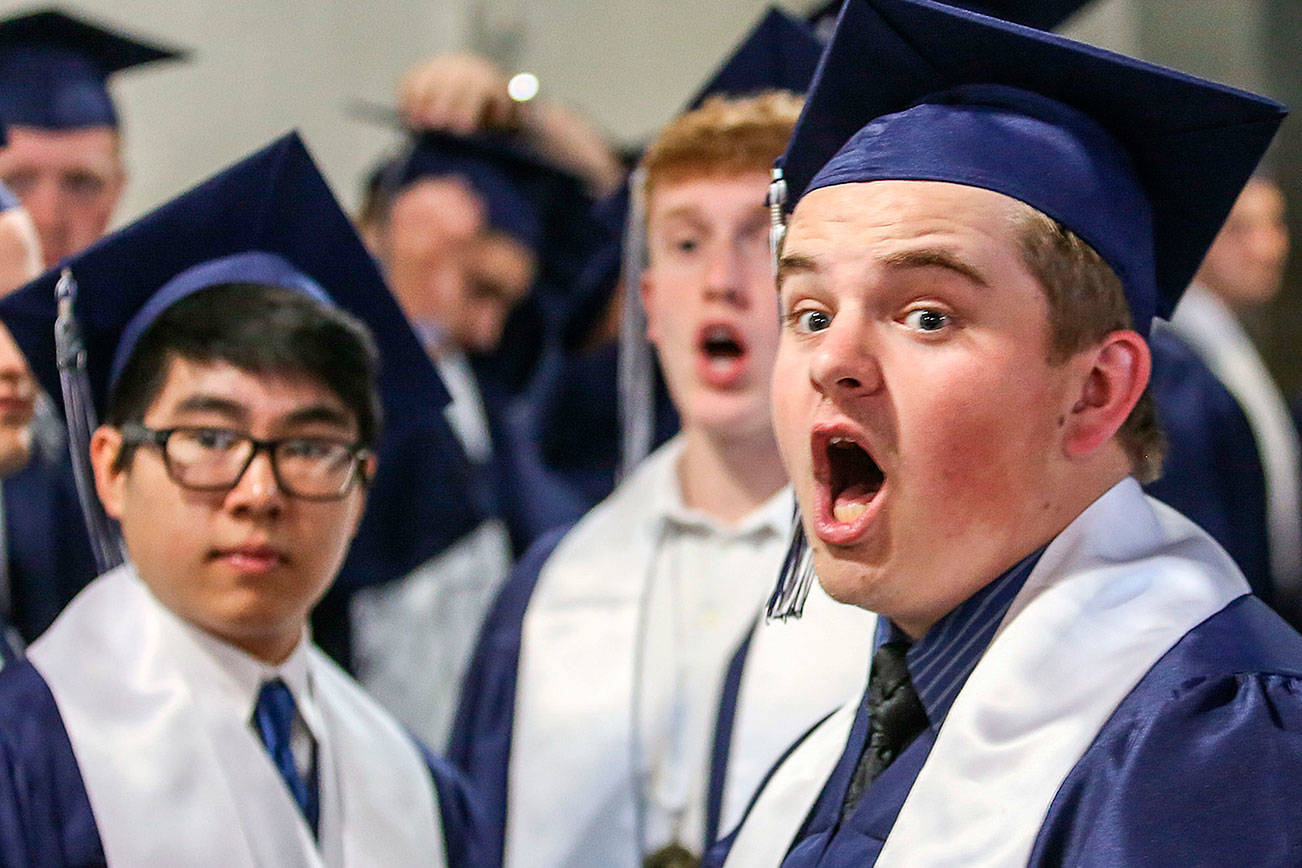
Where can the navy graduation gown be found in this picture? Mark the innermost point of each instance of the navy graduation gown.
(49, 555)
(1198, 765)
(480, 742)
(1212, 472)
(45, 814)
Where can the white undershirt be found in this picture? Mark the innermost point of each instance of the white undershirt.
(706, 588)
(240, 678)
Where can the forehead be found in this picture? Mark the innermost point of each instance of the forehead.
(862, 223)
(90, 146)
(254, 397)
(700, 194)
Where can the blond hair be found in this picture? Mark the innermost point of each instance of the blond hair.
(725, 136)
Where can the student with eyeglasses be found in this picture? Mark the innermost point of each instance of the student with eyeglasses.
(177, 712)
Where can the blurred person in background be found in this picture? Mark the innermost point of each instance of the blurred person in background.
(1242, 272)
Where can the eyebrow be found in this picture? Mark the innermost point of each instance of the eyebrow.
(793, 263)
(238, 413)
(935, 257)
(202, 403)
(320, 413)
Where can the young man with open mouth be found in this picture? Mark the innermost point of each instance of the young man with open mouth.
(984, 220)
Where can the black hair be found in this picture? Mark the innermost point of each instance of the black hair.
(258, 329)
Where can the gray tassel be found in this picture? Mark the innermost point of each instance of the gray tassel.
(636, 373)
(79, 408)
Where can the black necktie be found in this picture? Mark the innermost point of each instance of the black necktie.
(273, 717)
(895, 717)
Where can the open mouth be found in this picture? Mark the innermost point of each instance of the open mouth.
(722, 354)
(854, 479)
(850, 481)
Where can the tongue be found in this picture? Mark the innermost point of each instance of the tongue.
(851, 502)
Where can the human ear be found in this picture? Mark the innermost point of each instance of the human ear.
(105, 446)
(1115, 373)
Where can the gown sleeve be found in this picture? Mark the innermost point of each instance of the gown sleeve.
(1208, 778)
(45, 814)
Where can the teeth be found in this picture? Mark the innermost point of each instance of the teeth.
(847, 511)
(840, 441)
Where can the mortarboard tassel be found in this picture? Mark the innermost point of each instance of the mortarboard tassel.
(796, 578)
(79, 408)
(636, 373)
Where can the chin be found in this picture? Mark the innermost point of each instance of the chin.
(845, 581)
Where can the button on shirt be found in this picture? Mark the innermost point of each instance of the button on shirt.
(707, 585)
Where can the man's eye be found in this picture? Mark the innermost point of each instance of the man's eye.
(20, 183)
(214, 439)
(926, 320)
(685, 245)
(810, 321)
(83, 184)
(311, 448)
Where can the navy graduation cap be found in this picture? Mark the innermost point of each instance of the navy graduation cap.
(1041, 14)
(270, 218)
(54, 69)
(1140, 161)
(778, 53)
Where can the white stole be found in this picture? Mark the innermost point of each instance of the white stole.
(579, 657)
(172, 781)
(1110, 595)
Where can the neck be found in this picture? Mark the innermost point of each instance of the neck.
(269, 649)
(729, 479)
(1043, 524)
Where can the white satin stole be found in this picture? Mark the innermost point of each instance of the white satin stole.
(575, 791)
(174, 776)
(1111, 594)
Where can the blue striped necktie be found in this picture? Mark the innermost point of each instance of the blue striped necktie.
(273, 717)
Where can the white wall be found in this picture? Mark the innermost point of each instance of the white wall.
(259, 68)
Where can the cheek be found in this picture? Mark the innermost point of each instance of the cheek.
(982, 440)
(789, 399)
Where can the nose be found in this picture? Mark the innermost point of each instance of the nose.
(43, 204)
(725, 276)
(257, 492)
(845, 363)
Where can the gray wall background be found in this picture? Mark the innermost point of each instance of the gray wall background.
(260, 67)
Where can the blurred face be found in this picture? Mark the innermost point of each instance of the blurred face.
(709, 298)
(246, 564)
(916, 411)
(1245, 264)
(68, 180)
(17, 400)
(446, 265)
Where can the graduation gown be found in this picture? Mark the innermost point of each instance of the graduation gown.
(558, 655)
(1212, 471)
(47, 549)
(1135, 707)
(107, 756)
(1212, 331)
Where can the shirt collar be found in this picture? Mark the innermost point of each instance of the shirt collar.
(771, 517)
(941, 661)
(236, 676)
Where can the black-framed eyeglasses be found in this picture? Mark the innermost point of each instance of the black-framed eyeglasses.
(214, 459)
